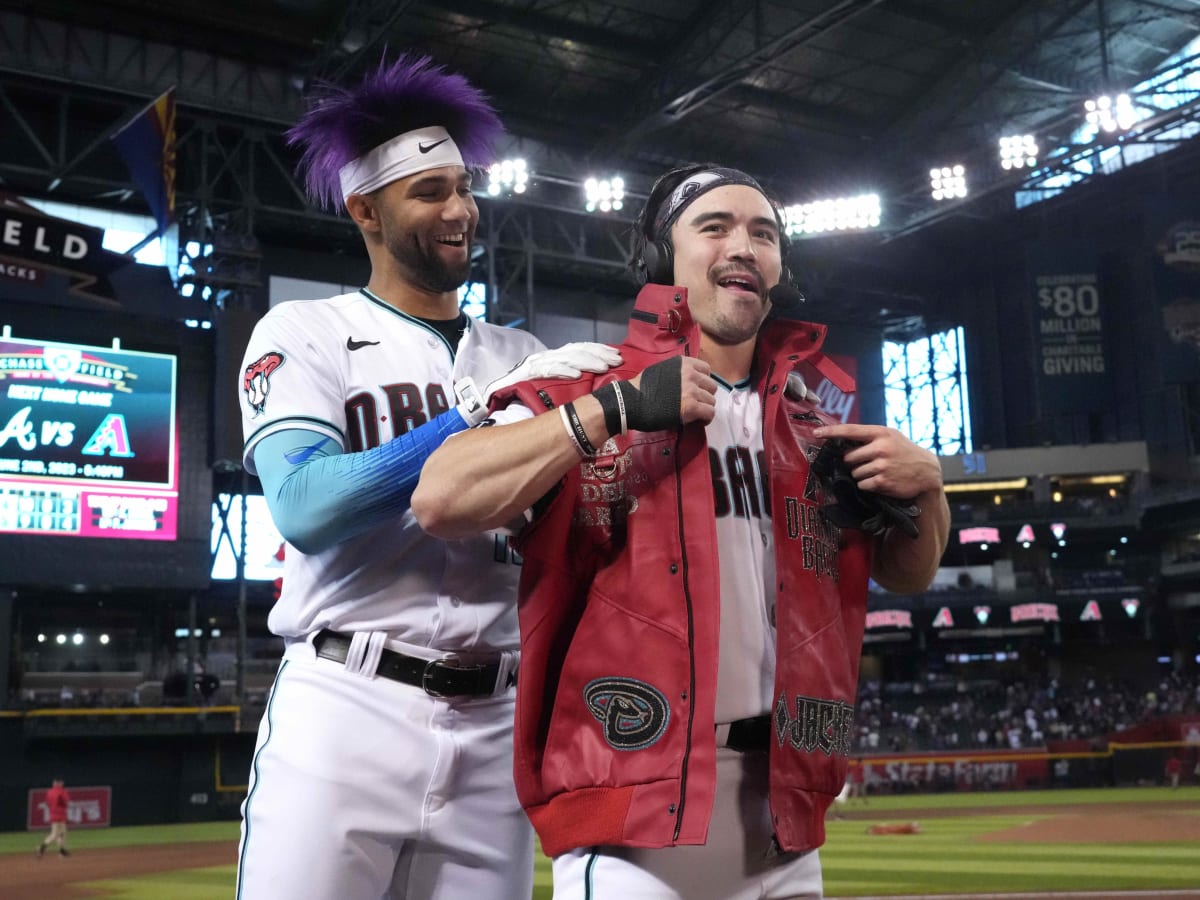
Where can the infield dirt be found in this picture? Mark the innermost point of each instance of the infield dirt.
(55, 877)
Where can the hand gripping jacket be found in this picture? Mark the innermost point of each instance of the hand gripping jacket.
(620, 609)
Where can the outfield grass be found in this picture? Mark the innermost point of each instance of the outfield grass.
(1001, 799)
(214, 883)
(947, 857)
(141, 835)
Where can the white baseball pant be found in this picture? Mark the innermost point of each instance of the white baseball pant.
(364, 788)
(739, 862)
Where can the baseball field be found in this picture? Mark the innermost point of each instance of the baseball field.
(1135, 842)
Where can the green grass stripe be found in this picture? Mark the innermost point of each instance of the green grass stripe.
(1183, 795)
(86, 838)
(181, 884)
(947, 857)
(982, 864)
(543, 887)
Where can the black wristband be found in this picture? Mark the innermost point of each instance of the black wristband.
(607, 397)
(581, 436)
(655, 406)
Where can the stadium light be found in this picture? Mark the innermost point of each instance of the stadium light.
(77, 639)
(1018, 151)
(948, 182)
(60, 639)
(604, 194)
(1108, 114)
(104, 638)
(509, 175)
(839, 214)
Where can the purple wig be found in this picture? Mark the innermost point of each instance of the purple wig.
(413, 92)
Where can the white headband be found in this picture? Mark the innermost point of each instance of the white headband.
(404, 155)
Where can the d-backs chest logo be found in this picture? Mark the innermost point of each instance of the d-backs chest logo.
(819, 538)
(634, 714)
(257, 380)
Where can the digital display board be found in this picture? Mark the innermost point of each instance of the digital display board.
(87, 441)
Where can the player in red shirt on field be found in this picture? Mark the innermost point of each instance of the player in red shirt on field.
(57, 800)
(1174, 770)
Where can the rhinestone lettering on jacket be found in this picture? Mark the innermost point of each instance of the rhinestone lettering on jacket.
(604, 496)
(824, 725)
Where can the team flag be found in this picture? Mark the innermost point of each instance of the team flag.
(147, 145)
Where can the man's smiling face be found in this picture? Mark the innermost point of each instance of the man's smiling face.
(727, 255)
(428, 222)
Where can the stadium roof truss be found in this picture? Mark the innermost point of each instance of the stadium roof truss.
(820, 98)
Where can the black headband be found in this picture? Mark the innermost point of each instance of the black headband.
(694, 186)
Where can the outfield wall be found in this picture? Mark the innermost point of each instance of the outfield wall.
(1112, 764)
(186, 765)
(155, 779)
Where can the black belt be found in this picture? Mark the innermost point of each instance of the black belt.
(750, 735)
(438, 678)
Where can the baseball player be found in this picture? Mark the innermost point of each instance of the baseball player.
(58, 801)
(691, 617)
(384, 760)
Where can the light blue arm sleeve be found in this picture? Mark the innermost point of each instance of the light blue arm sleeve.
(320, 496)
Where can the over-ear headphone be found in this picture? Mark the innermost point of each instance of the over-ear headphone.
(657, 263)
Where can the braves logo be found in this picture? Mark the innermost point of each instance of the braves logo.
(257, 380)
(633, 713)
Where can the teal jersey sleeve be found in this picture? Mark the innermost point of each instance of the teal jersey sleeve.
(320, 496)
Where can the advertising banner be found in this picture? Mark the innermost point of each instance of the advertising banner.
(90, 807)
(956, 772)
(842, 406)
(1176, 254)
(1068, 329)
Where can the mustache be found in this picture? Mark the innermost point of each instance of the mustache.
(744, 271)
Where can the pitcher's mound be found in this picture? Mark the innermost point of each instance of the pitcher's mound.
(895, 828)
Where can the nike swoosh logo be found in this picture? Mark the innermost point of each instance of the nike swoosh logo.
(352, 344)
(304, 454)
(425, 148)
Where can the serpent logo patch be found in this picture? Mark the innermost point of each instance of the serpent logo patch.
(634, 714)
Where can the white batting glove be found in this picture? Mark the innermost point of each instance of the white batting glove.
(568, 361)
(797, 389)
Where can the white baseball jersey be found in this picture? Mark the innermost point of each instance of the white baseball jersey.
(746, 554)
(361, 372)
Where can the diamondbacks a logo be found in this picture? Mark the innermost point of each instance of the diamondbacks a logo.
(824, 725)
(633, 713)
(257, 380)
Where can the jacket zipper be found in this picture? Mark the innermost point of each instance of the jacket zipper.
(691, 634)
(766, 389)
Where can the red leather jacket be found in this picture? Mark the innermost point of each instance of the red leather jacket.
(620, 609)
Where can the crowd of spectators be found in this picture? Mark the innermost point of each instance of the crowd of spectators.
(934, 712)
(945, 714)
